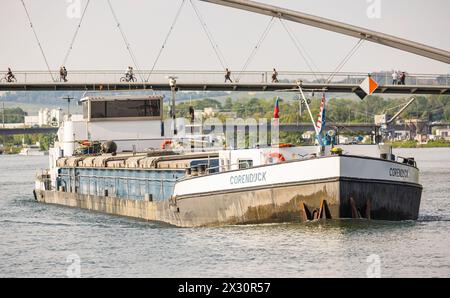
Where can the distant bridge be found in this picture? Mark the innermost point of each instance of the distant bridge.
(441, 124)
(27, 131)
(287, 127)
(367, 128)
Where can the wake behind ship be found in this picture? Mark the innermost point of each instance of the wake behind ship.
(134, 168)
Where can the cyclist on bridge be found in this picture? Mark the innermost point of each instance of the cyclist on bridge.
(9, 75)
(130, 74)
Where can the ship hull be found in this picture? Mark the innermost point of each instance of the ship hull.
(265, 200)
(375, 200)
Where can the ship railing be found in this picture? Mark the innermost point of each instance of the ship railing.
(226, 168)
(406, 160)
(45, 181)
(98, 191)
(121, 177)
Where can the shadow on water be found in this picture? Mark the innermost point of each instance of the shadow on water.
(433, 218)
(83, 217)
(66, 216)
(341, 226)
(26, 211)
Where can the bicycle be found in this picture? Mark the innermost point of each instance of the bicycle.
(128, 79)
(7, 79)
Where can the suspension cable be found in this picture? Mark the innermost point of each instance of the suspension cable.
(346, 59)
(301, 49)
(75, 34)
(37, 40)
(174, 22)
(258, 45)
(125, 40)
(210, 36)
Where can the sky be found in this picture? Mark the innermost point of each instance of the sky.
(99, 45)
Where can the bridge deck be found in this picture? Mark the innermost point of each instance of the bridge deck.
(27, 131)
(195, 80)
(336, 88)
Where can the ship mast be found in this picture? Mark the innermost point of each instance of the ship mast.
(303, 98)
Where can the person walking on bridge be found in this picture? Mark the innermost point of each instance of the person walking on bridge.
(63, 74)
(403, 78)
(275, 76)
(394, 77)
(228, 76)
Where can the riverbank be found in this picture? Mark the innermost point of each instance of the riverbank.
(415, 144)
(10, 150)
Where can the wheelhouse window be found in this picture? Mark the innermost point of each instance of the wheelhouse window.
(98, 109)
(125, 109)
(245, 163)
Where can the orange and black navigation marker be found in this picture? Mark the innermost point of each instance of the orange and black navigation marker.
(367, 87)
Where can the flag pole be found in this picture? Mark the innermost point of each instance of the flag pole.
(309, 110)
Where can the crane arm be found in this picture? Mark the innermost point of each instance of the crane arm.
(401, 111)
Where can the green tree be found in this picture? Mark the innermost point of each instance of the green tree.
(228, 104)
(14, 115)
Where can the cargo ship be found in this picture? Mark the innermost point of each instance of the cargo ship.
(120, 158)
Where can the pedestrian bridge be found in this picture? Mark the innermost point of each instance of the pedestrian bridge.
(243, 80)
(186, 80)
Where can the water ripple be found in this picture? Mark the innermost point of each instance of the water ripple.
(38, 238)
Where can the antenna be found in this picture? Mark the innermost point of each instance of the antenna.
(173, 87)
(3, 121)
(68, 98)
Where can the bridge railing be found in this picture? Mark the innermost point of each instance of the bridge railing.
(216, 77)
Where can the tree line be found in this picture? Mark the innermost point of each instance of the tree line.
(338, 110)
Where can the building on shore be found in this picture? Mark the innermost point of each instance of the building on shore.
(46, 117)
(443, 133)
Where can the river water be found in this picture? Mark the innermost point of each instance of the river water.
(38, 240)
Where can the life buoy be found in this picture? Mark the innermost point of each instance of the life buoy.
(86, 143)
(276, 155)
(165, 143)
(285, 146)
